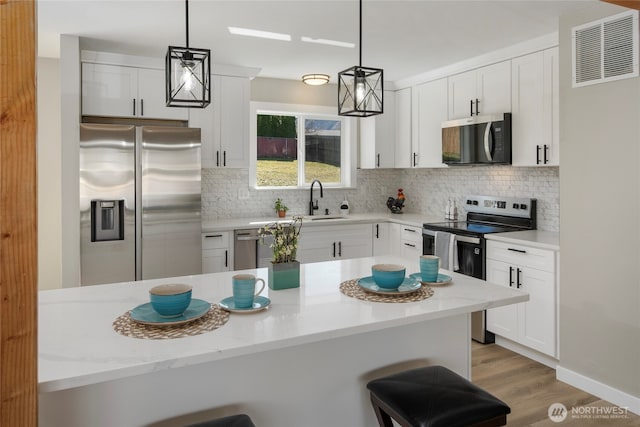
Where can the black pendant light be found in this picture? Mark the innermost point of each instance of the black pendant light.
(360, 89)
(187, 74)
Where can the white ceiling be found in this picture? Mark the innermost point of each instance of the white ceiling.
(405, 38)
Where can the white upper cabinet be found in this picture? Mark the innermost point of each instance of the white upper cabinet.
(535, 103)
(485, 90)
(225, 124)
(403, 147)
(429, 111)
(378, 136)
(119, 91)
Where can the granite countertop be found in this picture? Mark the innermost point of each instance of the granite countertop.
(229, 224)
(78, 346)
(534, 238)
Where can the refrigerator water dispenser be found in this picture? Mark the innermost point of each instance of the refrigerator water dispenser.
(107, 220)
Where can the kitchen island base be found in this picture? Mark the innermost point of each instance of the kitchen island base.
(317, 384)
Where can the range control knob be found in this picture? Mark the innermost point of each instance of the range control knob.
(516, 206)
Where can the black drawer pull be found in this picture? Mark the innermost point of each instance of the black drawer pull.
(212, 235)
(520, 251)
(410, 229)
(409, 244)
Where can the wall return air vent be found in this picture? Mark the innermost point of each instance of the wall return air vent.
(606, 50)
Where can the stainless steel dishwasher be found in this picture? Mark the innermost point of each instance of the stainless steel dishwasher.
(245, 250)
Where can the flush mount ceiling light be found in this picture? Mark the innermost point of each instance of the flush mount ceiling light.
(360, 89)
(187, 74)
(315, 79)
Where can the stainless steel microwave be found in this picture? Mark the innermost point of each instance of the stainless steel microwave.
(477, 140)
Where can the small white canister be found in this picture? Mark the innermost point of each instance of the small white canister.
(344, 207)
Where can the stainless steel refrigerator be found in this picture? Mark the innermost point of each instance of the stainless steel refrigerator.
(140, 198)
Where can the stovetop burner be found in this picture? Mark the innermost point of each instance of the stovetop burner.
(471, 227)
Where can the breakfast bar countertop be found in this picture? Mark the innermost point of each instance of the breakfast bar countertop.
(78, 345)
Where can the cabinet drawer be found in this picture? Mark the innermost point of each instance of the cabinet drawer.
(411, 234)
(215, 240)
(527, 256)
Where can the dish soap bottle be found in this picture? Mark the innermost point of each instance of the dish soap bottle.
(344, 207)
(447, 210)
(454, 212)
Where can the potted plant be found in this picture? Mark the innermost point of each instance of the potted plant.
(281, 208)
(282, 238)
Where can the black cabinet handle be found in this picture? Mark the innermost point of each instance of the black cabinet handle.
(226, 258)
(410, 229)
(471, 107)
(134, 106)
(410, 245)
(142, 107)
(224, 158)
(546, 149)
(218, 158)
(378, 160)
(212, 235)
(414, 158)
(477, 104)
(339, 249)
(518, 284)
(510, 277)
(521, 251)
(334, 249)
(377, 231)
(537, 154)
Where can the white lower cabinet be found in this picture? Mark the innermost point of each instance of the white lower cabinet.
(386, 238)
(216, 252)
(532, 323)
(410, 241)
(335, 242)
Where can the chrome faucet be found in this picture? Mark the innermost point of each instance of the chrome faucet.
(314, 206)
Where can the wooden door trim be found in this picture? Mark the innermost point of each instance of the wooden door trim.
(631, 4)
(18, 216)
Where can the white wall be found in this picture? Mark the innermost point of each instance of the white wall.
(599, 227)
(49, 169)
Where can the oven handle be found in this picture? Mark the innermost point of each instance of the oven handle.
(459, 238)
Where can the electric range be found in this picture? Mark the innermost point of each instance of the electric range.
(485, 215)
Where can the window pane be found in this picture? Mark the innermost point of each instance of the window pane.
(322, 150)
(277, 162)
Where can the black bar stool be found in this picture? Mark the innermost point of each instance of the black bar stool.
(434, 396)
(240, 420)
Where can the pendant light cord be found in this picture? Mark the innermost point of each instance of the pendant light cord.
(186, 14)
(360, 43)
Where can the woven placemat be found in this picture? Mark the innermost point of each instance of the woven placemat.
(351, 289)
(215, 318)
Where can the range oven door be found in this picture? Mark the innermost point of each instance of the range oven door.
(471, 258)
(470, 253)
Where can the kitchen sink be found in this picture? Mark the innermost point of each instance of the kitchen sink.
(323, 217)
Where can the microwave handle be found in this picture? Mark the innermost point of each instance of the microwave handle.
(488, 145)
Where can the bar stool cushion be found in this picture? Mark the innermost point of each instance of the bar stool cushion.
(240, 420)
(434, 396)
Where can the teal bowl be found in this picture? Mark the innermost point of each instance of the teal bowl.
(170, 300)
(388, 276)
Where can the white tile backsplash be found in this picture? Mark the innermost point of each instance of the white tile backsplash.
(224, 191)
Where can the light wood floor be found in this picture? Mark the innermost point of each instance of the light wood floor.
(529, 388)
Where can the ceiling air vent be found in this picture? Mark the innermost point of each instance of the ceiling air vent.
(606, 49)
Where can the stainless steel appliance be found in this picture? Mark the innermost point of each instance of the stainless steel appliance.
(140, 199)
(477, 140)
(245, 250)
(485, 215)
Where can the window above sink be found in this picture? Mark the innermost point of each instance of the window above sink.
(291, 145)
